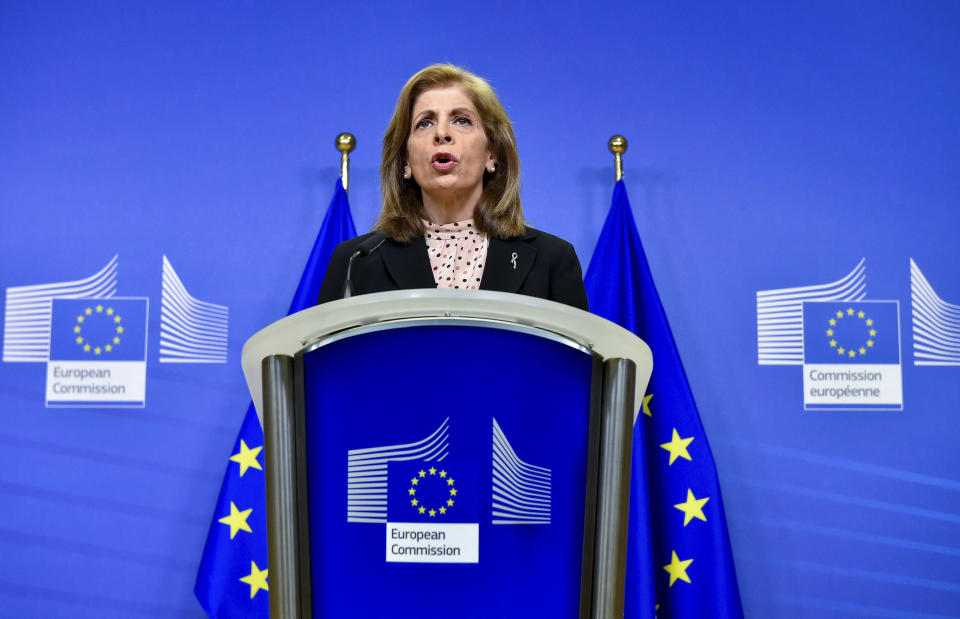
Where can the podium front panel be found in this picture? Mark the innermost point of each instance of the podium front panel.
(446, 471)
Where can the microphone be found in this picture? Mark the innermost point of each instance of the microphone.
(365, 249)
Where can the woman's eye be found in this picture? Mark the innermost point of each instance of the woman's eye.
(462, 120)
(423, 122)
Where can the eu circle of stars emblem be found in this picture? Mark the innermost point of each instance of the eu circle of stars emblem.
(432, 492)
(98, 329)
(858, 328)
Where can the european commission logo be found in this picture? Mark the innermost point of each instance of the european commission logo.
(849, 346)
(98, 352)
(432, 513)
(431, 503)
(851, 355)
(95, 343)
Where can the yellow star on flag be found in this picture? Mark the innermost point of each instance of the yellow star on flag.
(692, 508)
(80, 319)
(412, 491)
(433, 471)
(422, 473)
(450, 502)
(432, 513)
(849, 311)
(76, 329)
(443, 473)
(422, 510)
(414, 502)
(109, 311)
(677, 569)
(832, 321)
(119, 329)
(237, 520)
(453, 492)
(414, 481)
(861, 314)
(257, 579)
(678, 447)
(839, 314)
(646, 405)
(442, 510)
(116, 319)
(86, 348)
(450, 481)
(99, 308)
(88, 311)
(247, 458)
(108, 348)
(79, 340)
(869, 321)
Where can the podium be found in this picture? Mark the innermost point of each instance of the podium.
(447, 454)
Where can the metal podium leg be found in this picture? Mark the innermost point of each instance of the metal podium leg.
(279, 433)
(613, 491)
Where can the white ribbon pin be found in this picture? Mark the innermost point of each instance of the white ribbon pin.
(513, 259)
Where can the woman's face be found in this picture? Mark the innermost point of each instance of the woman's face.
(447, 149)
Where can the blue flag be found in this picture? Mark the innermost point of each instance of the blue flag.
(679, 562)
(232, 579)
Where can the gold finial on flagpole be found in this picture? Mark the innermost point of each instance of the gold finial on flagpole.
(618, 146)
(345, 143)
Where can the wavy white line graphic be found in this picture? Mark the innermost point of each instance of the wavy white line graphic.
(936, 323)
(191, 331)
(367, 472)
(521, 491)
(780, 315)
(26, 324)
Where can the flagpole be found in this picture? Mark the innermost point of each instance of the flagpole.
(618, 146)
(345, 143)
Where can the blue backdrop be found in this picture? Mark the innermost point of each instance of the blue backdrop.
(184, 153)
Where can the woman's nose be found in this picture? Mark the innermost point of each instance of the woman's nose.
(441, 137)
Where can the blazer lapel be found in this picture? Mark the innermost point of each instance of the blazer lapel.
(508, 263)
(408, 264)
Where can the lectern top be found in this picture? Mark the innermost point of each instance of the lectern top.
(315, 325)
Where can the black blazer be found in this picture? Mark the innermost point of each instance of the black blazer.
(546, 267)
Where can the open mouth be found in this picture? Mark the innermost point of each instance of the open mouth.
(443, 161)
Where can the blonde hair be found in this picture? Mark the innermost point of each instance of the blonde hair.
(499, 212)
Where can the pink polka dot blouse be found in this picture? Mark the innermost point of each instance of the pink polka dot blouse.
(457, 252)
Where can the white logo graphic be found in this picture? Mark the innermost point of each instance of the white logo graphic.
(848, 346)
(367, 472)
(413, 535)
(28, 314)
(429, 502)
(936, 324)
(521, 491)
(191, 331)
(780, 315)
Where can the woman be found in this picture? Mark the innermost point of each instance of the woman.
(450, 177)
